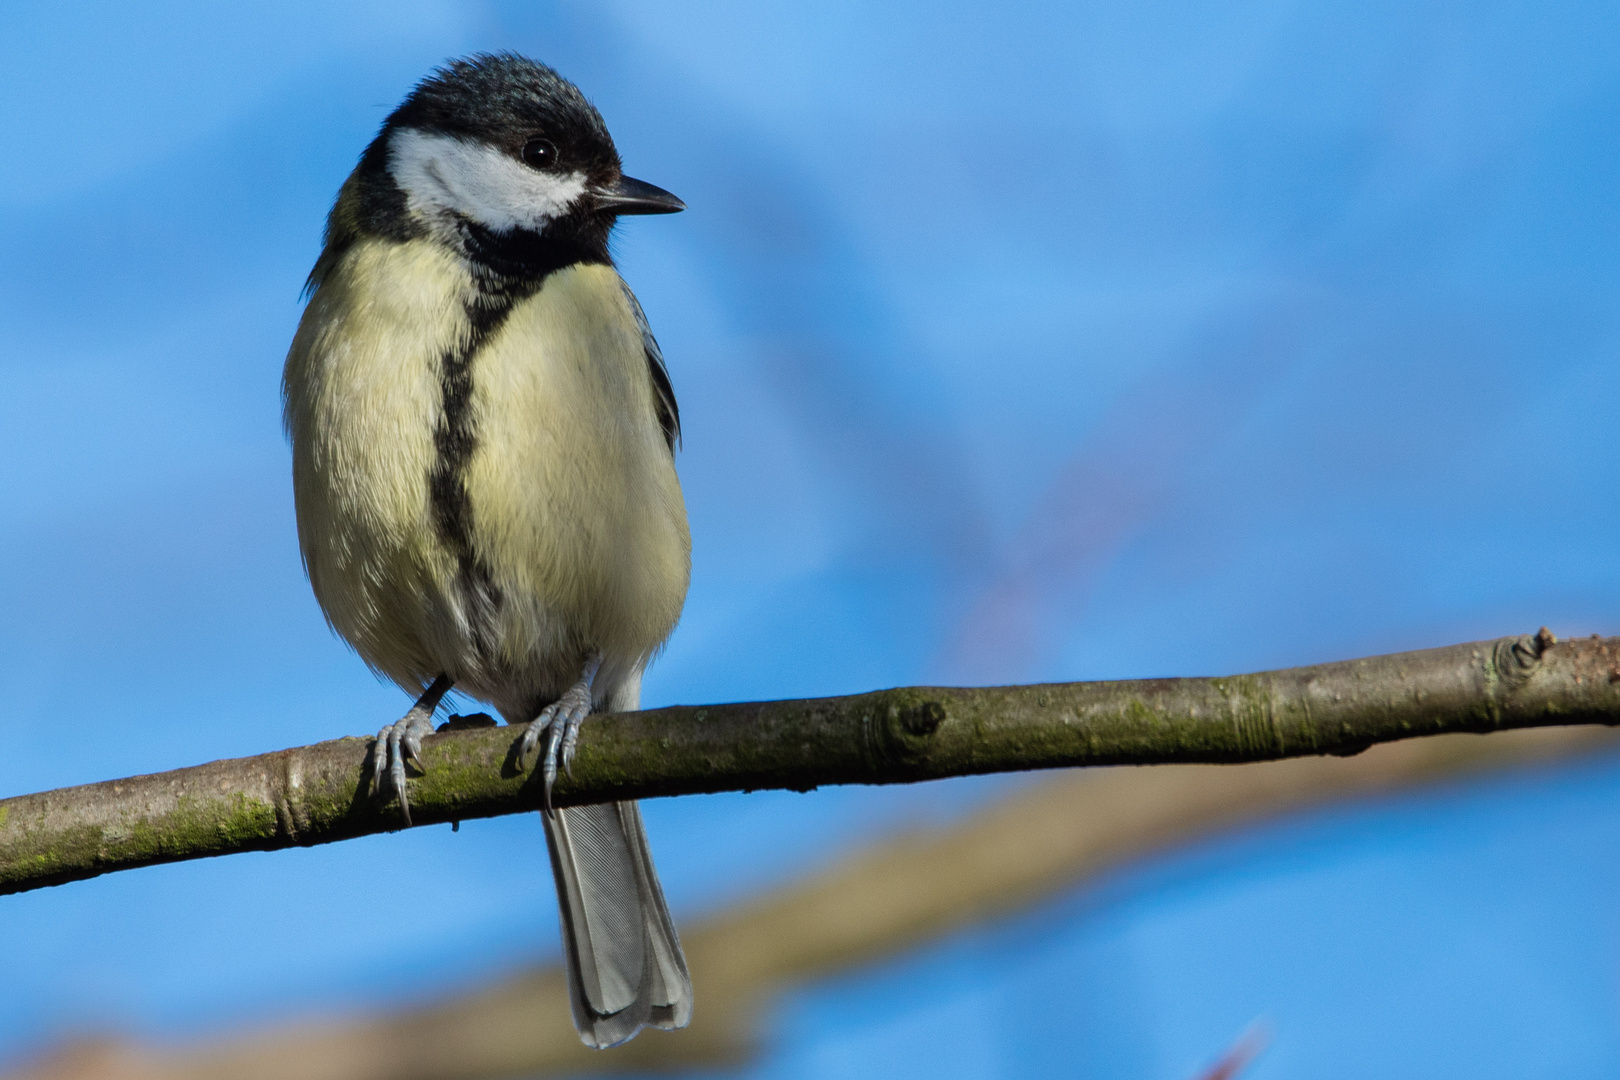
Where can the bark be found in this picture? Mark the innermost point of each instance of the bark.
(318, 794)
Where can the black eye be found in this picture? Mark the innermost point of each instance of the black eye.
(539, 154)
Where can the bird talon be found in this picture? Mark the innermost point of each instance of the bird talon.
(560, 722)
(400, 741)
(570, 741)
(548, 764)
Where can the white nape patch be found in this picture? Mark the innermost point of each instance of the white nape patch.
(441, 173)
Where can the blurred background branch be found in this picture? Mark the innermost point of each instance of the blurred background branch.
(892, 896)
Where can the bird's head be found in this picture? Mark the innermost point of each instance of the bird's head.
(501, 150)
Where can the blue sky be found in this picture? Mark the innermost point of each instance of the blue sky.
(1057, 341)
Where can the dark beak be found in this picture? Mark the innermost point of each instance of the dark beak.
(627, 196)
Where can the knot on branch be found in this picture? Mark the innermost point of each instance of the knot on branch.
(287, 795)
(900, 725)
(1516, 659)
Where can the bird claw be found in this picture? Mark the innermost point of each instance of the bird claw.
(400, 741)
(560, 723)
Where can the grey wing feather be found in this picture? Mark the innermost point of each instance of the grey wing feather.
(625, 966)
(669, 414)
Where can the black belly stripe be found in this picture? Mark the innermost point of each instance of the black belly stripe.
(506, 270)
(455, 439)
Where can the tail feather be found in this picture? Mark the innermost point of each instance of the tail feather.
(624, 961)
(671, 1000)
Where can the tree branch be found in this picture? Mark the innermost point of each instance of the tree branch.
(318, 794)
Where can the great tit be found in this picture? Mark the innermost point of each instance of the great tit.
(483, 435)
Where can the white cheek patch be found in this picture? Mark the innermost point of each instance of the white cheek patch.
(440, 173)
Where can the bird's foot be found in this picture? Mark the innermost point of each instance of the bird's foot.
(560, 722)
(403, 739)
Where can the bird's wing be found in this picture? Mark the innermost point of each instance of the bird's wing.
(669, 414)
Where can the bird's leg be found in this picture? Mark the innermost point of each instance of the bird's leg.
(403, 739)
(560, 722)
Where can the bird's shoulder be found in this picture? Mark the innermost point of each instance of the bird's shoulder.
(669, 413)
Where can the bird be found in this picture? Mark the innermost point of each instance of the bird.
(483, 436)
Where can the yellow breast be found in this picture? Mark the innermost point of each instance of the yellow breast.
(576, 509)
(575, 516)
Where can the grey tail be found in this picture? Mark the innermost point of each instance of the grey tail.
(625, 967)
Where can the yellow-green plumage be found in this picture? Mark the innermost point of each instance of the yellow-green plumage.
(575, 510)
